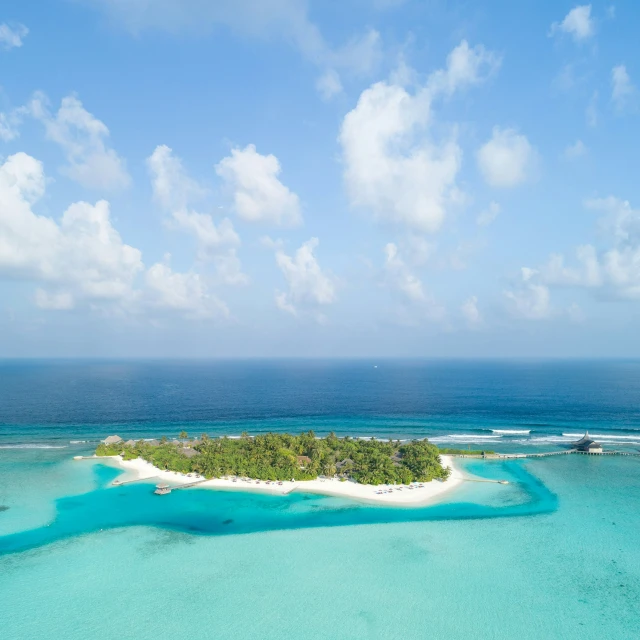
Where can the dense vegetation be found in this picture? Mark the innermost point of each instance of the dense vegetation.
(278, 456)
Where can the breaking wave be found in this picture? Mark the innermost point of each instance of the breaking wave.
(512, 432)
(32, 446)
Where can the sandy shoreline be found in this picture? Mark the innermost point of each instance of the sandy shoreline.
(392, 495)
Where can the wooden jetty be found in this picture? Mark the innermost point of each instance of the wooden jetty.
(516, 456)
(164, 489)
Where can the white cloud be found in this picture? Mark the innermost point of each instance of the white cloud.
(91, 162)
(392, 167)
(329, 85)
(470, 311)
(588, 274)
(466, 66)
(81, 259)
(390, 172)
(183, 292)
(399, 277)
(258, 194)
(486, 217)
(309, 287)
(623, 92)
(210, 237)
(12, 36)
(82, 256)
(173, 189)
(529, 299)
(578, 23)
(417, 304)
(613, 272)
(507, 159)
(575, 150)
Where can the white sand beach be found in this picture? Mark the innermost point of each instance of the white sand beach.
(393, 495)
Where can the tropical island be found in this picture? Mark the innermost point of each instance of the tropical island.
(280, 457)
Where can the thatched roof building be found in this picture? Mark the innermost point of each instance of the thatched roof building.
(112, 440)
(587, 445)
(187, 451)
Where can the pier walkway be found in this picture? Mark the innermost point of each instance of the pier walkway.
(507, 456)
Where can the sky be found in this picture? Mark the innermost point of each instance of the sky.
(275, 178)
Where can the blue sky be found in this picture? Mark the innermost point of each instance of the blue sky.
(291, 178)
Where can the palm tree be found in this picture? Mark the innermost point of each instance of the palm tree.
(329, 469)
(183, 435)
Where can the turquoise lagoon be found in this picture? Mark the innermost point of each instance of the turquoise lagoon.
(554, 554)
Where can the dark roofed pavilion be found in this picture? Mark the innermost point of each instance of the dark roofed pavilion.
(587, 444)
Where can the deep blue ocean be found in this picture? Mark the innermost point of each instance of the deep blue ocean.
(475, 402)
(553, 554)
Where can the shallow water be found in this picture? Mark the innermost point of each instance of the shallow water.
(204, 511)
(562, 561)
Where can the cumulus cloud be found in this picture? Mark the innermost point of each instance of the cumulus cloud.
(211, 237)
(309, 286)
(578, 23)
(416, 303)
(613, 271)
(186, 293)
(529, 298)
(392, 167)
(610, 272)
(258, 194)
(400, 277)
(507, 159)
(82, 256)
(466, 66)
(470, 311)
(174, 190)
(623, 91)
(83, 138)
(486, 217)
(81, 260)
(11, 36)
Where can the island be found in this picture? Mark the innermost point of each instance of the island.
(370, 469)
(281, 456)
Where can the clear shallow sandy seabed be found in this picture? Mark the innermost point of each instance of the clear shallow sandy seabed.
(563, 561)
